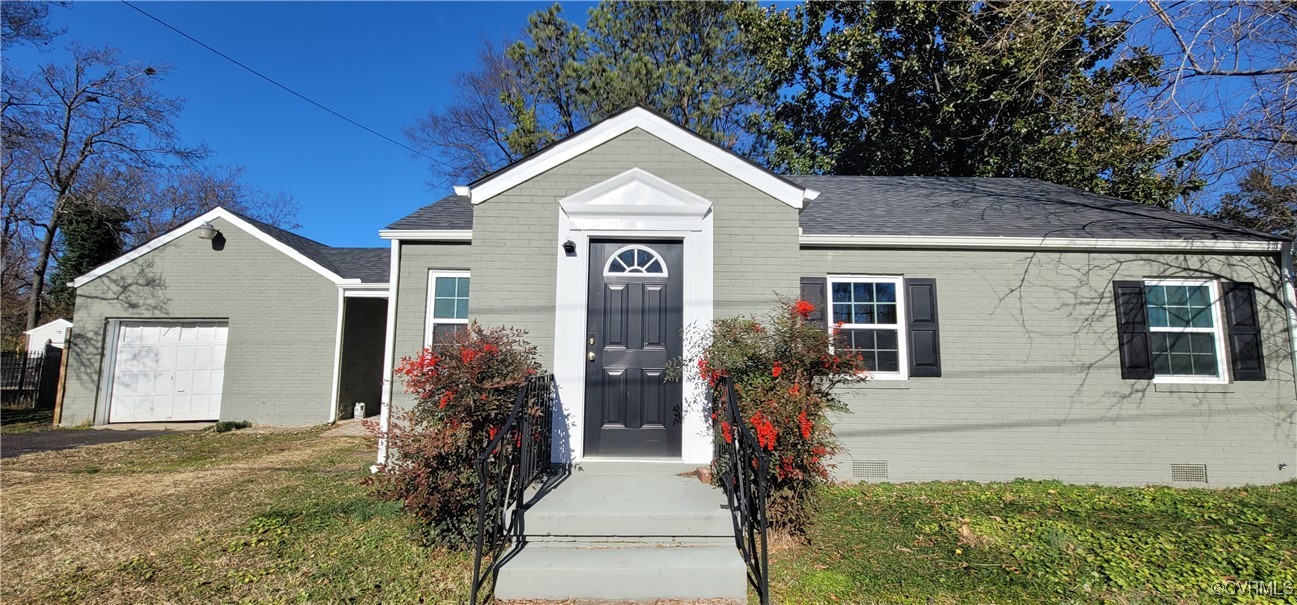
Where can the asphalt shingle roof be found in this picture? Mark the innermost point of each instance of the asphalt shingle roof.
(369, 265)
(451, 213)
(948, 206)
(993, 207)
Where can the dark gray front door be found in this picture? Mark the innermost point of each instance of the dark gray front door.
(633, 333)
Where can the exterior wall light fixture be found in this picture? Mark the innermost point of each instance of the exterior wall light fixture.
(207, 231)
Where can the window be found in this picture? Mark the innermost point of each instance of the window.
(635, 259)
(867, 314)
(1184, 330)
(447, 306)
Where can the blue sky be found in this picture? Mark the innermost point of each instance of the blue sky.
(381, 64)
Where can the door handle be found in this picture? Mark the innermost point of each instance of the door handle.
(590, 356)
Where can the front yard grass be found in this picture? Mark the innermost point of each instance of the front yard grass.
(208, 517)
(1037, 542)
(283, 518)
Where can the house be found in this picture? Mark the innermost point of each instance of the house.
(228, 318)
(1016, 328)
(53, 334)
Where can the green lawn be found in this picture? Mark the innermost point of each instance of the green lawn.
(1033, 542)
(283, 518)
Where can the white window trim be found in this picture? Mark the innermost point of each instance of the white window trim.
(1217, 331)
(428, 320)
(902, 334)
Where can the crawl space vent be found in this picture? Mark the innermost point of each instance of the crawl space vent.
(1196, 473)
(869, 469)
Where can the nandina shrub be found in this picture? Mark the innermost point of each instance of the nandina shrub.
(464, 392)
(784, 372)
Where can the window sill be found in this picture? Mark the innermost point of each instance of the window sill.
(1193, 387)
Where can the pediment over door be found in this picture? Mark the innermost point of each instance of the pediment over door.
(635, 199)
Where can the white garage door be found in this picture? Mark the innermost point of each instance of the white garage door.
(168, 371)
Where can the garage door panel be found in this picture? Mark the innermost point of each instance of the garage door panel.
(168, 371)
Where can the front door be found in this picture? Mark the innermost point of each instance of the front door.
(633, 333)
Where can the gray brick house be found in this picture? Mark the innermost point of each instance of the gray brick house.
(1016, 328)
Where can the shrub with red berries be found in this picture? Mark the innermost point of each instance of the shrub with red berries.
(464, 390)
(784, 372)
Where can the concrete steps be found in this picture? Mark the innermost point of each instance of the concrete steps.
(626, 531)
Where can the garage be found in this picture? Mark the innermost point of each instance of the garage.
(168, 371)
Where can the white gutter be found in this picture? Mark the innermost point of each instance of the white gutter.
(389, 354)
(370, 290)
(432, 235)
(1034, 243)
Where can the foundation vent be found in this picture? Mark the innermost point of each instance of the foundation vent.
(869, 469)
(1196, 473)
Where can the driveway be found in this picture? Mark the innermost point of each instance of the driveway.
(53, 440)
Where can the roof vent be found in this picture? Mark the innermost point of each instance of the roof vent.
(869, 469)
(1196, 473)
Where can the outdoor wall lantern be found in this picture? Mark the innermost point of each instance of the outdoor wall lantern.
(207, 231)
(569, 247)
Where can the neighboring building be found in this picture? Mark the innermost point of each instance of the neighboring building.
(54, 334)
(1017, 328)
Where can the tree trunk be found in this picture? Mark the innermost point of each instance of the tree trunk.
(38, 276)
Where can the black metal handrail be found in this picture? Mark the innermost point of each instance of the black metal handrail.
(513, 460)
(744, 474)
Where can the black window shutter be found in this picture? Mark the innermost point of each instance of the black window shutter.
(925, 343)
(813, 292)
(1132, 330)
(1246, 360)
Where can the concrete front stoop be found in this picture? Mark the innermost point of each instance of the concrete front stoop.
(626, 531)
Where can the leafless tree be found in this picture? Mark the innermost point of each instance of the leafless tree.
(1230, 97)
(62, 123)
(27, 21)
(469, 135)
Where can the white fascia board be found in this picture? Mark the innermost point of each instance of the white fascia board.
(669, 132)
(214, 213)
(428, 235)
(1034, 243)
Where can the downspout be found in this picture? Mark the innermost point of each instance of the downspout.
(337, 357)
(1290, 304)
(389, 352)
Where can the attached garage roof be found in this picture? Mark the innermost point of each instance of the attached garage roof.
(922, 207)
(343, 266)
(369, 265)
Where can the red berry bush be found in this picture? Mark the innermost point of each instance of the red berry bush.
(784, 372)
(464, 391)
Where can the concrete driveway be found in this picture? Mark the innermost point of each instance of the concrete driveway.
(53, 440)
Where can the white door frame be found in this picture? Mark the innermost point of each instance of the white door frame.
(634, 205)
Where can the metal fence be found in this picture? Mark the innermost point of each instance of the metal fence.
(29, 380)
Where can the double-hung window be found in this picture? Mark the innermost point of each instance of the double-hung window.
(1186, 342)
(867, 315)
(447, 306)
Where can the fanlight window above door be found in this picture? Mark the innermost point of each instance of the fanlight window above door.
(635, 259)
